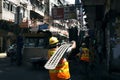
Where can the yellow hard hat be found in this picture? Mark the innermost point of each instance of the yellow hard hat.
(53, 40)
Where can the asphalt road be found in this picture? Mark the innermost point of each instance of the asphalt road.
(14, 72)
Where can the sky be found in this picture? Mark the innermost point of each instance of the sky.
(71, 1)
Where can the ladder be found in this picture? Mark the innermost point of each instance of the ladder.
(55, 58)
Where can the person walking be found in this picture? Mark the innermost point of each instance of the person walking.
(61, 72)
(19, 49)
(85, 60)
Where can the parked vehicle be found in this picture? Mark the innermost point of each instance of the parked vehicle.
(35, 48)
(11, 51)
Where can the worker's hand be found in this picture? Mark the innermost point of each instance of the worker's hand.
(72, 47)
(73, 44)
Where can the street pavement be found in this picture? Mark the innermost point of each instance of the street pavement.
(13, 72)
(28, 72)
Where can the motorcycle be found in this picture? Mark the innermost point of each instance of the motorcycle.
(11, 52)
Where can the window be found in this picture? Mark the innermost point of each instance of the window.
(34, 42)
(6, 5)
(9, 6)
(12, 8)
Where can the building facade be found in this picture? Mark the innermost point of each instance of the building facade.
(18, 14)
(24, 14)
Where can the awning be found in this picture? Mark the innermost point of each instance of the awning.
(35, 15)
(43, 26)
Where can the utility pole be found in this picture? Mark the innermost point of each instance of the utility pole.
(18, 16)
(78, 5)
(46, 17)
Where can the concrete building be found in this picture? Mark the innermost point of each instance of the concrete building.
(21, 10)
(9, 8)
(15, 14)
(24, 14)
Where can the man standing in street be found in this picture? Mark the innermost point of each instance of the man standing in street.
(61, 72)
(19, 49)
(85, 60)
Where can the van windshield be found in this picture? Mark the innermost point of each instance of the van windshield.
(35, 42)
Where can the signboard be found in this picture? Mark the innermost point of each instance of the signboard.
(70, 12)
(24, 24)
(43, 26)
(66, 12)
(58, 13)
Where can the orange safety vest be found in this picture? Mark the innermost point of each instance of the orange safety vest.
(85, 56)
(61, 72)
